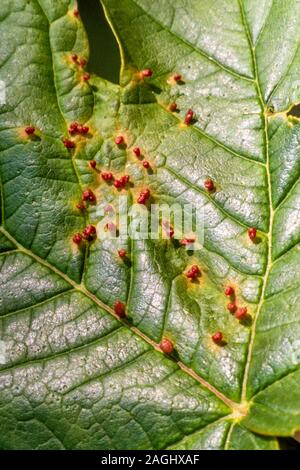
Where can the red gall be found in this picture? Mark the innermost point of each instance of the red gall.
(229, 291)
(122, 253)
(217, 337)
(146, 73)
(107, 176)
(86, 76)
(137, 151)
(119, 140)
(166, 346)
(241, 313)
(89, 232)
(125, 179)
(144, 196)
(231, 307)
(88, 196)
(252, 232)
(69, 144)
(177, 77)
(189, 117)
(30, 130)
(83, 130)
(194, 272)
(119, 309)
(118, 184)
(73, 128)
(172, 107)
(77, 238)
(82, 62)
(122, 182)
(209, 184)
(93, 164)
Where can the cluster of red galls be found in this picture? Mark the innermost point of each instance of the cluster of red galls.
(122, 182)
(81, 62)
(89, 233)
(75, 129)
(240, 313)
(119, 140)
(138, 153)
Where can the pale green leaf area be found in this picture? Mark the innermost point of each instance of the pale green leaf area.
(72, 374)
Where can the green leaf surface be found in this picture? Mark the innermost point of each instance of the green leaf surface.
(72, 374)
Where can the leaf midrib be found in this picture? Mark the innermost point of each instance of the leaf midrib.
(271, 215)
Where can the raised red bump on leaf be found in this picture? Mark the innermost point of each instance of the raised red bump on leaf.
(125, 179)
(30, 130)
(88, 195)
(146, 164)
(118, 184)
(137, 151)
(144, 196)
(166, 346)
(77, 238)
(76, 12)
(83, 130)
(119, 140)
(177, 77)
(80, 206)
(194, 272)
(69, 144)
(122, 253)
(241, 313)
(231, 307)
(93, 164)
(189, 117)
(217, 337)
(122, 182)
(82, 62)
(86, 76)
(107, 176)
(252, 232)
(172, 107)
(74, 58)
(73, 128)
(119, 309)
(89, 232)
(229, 291)
(209, 185)
(146, 73)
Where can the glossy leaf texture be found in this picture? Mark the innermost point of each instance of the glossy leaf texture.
(72, 374)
